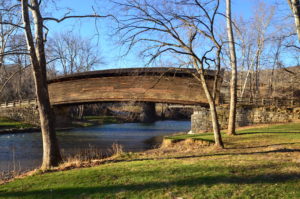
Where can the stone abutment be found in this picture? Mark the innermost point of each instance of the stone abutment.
(246, 115)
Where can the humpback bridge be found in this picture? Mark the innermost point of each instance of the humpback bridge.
(162, 85)
(174, 86)
(147, 85)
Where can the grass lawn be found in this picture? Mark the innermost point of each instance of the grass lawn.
(257, 163)
(6, 123)
(278, 131)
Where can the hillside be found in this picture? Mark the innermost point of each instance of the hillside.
(280, 83)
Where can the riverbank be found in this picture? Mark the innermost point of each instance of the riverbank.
(9, 126)
(22, 152)
(257, 163)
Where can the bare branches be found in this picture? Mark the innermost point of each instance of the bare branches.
(15, 52)
(75, 17)
(181, 28)
(11, 77)
(292, 46)
(73, 53)
(11, 24)
(181, 32)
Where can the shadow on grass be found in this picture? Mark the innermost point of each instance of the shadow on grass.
(75, 192)
(263, 146)
(278, 132)
(283, 150)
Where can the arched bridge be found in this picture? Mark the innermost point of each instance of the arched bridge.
(164, 85)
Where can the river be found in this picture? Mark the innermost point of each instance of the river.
(24, 151)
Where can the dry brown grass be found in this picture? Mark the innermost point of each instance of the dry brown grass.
(90, 157)
(82, 159)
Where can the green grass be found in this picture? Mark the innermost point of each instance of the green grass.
(163, 179)
(279, 130)
(6, 123)
(254, 165)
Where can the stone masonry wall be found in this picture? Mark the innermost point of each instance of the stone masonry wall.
(201, 120)
(30, 115)
(27, 114)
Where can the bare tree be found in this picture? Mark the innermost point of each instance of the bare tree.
(36, 48)
(9, 46)
(295, 7)
(34, 26)
(253, 36)
(8, 16)
(170, 28)
(233, 82)
(73, 54)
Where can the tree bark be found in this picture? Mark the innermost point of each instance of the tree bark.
(212, 108)
(233, 82)
(295, 7)
(51, 153)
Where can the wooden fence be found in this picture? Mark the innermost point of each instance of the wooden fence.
(20, 103)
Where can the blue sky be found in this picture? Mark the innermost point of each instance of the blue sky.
(106, 43)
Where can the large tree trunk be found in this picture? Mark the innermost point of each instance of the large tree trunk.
(214, 116)
(233, 82)
(51, 154)
(212, 108)
(295, 7)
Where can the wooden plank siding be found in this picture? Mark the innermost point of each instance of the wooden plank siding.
(153, 85)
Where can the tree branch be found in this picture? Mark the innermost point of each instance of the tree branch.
(76, 16)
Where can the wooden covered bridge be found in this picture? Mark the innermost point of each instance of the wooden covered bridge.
(148, 85)
(163, 85)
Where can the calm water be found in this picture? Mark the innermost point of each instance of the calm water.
(25, 150)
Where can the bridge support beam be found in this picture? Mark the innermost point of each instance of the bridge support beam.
(62, 116)
(148, 113)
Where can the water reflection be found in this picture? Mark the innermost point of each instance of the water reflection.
(25, 150)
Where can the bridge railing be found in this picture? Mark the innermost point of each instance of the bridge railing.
(20, 103)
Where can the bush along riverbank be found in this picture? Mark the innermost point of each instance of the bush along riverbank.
(261, 162)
